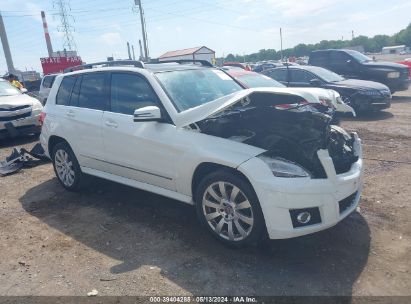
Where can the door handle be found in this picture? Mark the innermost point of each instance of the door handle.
(111, 124)
(70, 113)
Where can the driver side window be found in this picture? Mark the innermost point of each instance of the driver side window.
(130, 92)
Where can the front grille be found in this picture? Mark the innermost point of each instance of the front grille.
(14, 108)
(14, 117)
(347, 202)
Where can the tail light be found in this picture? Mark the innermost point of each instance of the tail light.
(42, 118)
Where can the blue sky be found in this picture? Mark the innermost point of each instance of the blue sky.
(102, 27)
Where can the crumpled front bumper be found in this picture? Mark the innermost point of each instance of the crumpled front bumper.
(279, 196)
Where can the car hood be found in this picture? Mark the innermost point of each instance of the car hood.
(359, 84)
(216, 106)
(384, 64)
(19, 100)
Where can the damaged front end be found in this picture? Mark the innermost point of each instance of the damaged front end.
(295, 133)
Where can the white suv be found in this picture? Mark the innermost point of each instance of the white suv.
(45, 86)
(190, 132)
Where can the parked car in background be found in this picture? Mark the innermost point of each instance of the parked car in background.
(362, 95)
(45, 86)
(265, 66)
(407, 62)
(19, 113)
(326, 101)
(238, 65)
(192, 133)
(249, 79)
(354, 65)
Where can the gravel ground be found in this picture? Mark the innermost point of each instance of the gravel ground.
(122, 241)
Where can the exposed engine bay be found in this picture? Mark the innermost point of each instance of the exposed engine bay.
(294, 133)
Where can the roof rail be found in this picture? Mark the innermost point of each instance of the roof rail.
(180, 61)
(135, 63)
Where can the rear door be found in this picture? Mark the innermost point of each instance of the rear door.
(142, 151)
(83, 116)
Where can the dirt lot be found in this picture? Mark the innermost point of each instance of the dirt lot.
(122, 241)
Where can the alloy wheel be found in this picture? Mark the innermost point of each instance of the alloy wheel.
(64, 167)
(228, 211)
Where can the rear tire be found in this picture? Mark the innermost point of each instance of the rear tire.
(229, 209)
(66, 167)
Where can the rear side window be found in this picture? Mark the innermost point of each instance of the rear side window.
(76, 92)
(63, 95)
(48, 81)
(130, 92)
(279, 75)
(318, 58)
(92, 91)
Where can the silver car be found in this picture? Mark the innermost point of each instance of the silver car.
(19, 113)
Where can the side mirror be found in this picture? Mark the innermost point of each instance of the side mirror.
(150, 113)
(350, 63)
(23, 90)
(315, 82)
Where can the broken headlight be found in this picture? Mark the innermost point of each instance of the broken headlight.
(284, 168)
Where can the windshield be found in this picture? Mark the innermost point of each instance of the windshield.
(190, 88)
(6, 89)
(325, 74)
(257, 80)
(359, 57)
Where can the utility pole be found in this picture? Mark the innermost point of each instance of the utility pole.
(6, 47)
(352, 34)
(281, 43)
(141, 50)
(134, 55)
(143, 28)
(128, 50)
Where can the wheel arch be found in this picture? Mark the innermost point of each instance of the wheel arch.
(206, 168)
(53, 141)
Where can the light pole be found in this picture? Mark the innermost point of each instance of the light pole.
(281, 43)
(143, 29)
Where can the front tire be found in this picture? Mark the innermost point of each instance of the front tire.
(229, 208)
(66, 167)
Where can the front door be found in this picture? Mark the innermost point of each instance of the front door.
(142, 151)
